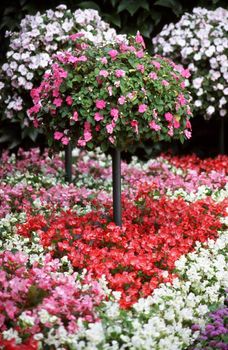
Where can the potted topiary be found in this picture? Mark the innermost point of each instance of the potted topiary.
(199, 41)
(112, 97)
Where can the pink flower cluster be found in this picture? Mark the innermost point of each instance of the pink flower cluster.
(42, 288)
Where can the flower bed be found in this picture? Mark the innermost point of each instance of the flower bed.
(71, 279)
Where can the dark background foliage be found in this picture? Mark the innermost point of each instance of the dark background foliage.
(126, 16)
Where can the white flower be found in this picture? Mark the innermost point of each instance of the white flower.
(210, 110)
(197, 56)
(197, 82)
(222, 112)
(198, 103)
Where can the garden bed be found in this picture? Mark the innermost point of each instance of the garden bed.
(71, 279)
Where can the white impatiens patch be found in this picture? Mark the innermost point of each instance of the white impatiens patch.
(31, 49)
(199, 41)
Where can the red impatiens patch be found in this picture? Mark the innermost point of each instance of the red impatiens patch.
(31, 344)
(139, 256)
(219, 163)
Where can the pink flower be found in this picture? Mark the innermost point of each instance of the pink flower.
(182, 85)
(176, 123)
(111, 139)
(110, 90)
(87, 126)
(103, 73)
(165, 83)
(98, 117)
(100, 104)
(170, 132)
(69, 100)
(188, 111)
(10, 308)
(82, 58)
(113, 54)
(134, 124)
(75, 116)
(188, 134)
(141, 68)
(121, 100)
(185, 73)
(58, 135)
(87, 135)
(35, 123)
(117, 83)
(153, 75)
(130, 95)
(188, 125)
(65, 140)
(114, 112)
(139, 39)
(140, 54)
(109, 128)
(81, 142)
(156, 64)
(104, 60)
(154, 126)
(181, 100)
(57, 102)
(168, 117)
(76, 36)
(142, 108)
(119, 73)
(155, 113)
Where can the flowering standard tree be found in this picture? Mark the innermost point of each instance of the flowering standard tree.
(200, 42)
(111, 96)
(30, 54)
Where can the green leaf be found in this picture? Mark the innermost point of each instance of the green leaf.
(89, 5)
(114, 2)
(146, 29)
(173, 4)
(14, 143)
(156, 16)
(113, 18)
(89, 145)
(5, 138)
(132, 6)
(9, 10)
